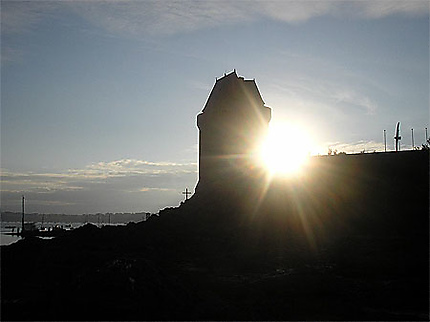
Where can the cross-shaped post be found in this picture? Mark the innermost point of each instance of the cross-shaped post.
(186, 193)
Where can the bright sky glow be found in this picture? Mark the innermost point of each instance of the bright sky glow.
(286, 149)
(99, 98)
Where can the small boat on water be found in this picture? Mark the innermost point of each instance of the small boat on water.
(30, 227)
(31, 230)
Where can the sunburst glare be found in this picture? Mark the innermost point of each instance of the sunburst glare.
(285, 149)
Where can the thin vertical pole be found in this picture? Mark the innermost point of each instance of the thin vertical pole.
(413, 143)
(426, 136)
(385, 141)
(23, 212)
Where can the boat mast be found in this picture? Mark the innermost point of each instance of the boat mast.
(23, 211)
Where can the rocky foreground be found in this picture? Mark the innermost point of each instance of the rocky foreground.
(350, 241)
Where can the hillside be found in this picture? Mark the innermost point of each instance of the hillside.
(348, 241)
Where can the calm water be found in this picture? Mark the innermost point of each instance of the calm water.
(9, 239)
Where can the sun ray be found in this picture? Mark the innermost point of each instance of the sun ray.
(285, 150)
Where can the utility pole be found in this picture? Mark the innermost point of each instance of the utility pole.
(426, 136)
(385, 141)
(23, 212)
(413, 143)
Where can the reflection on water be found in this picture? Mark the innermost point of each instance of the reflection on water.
(8, 227)
(7, 239)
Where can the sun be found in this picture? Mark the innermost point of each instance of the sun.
(285, 150)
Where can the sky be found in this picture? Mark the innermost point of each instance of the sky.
(99, 98)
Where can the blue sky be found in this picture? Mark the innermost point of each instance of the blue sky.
(99, 98)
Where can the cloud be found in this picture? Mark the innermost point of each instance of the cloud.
(379, 9)
(313, 93)
(171, 17)
(162, 17)
(140, 18)
(120, 185)
(95, 173)
(356, 147)
(22, 16)
(133, 166)
(296, 11)
(352, 98)
(145, 189)
(301, 11)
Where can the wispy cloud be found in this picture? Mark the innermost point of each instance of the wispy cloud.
(162, 17)
(120, 185)
(301, 11)
(356, 147)
(94, 173)
(132, 167)
(145, 189)
(138, 18)
(383, 8)
(350, 97)
(22, 16)
(170, 17)
(301, 91)
(297, 11)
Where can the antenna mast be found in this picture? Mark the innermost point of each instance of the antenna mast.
(22, 218)
(385, 141)
(397, 137)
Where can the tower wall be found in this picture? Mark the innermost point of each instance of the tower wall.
(231, 127)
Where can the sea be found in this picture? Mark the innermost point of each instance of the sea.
(9, 227)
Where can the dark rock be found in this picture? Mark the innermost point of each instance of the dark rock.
(347, 243)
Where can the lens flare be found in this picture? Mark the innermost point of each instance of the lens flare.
(285, 149)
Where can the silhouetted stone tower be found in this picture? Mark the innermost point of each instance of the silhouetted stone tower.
(231, 126)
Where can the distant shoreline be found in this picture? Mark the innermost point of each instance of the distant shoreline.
(9, 216)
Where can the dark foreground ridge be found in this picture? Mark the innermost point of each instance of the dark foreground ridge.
(349, 241)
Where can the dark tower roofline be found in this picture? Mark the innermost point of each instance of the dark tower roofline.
(249, 84)
(227, 75)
